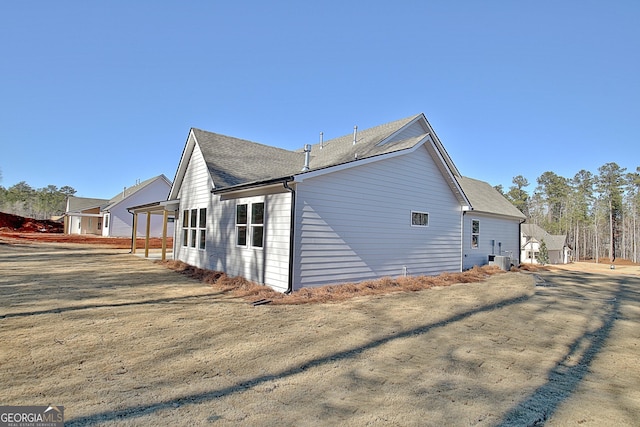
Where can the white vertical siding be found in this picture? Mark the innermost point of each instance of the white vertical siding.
(355, 224)
(498, 230)
(267, 265)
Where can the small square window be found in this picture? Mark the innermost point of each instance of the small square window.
(419, 219)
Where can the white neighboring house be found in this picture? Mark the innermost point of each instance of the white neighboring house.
(110, 218)
(531, 237)
(385, 201)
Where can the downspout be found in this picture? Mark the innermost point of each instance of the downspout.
(291, 235)
(520, 242)
(461, 238)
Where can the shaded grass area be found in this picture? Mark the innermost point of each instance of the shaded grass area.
(240, 287)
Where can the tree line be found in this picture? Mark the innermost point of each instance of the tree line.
(41, 203)
(598, 212)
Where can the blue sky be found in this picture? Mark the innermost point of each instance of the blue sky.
(96, 95)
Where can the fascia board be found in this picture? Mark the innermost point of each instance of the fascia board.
(182, 166)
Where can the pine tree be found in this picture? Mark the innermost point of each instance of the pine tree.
(543, 254)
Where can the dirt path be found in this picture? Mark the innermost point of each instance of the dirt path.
(119, 340)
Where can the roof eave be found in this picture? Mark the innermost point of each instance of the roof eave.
(251, 185)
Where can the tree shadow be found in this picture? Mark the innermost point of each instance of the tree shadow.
(196, 298)
(142, 410)
(568, 373)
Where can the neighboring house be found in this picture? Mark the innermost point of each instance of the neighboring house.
(82, 215)
(531, 237)
(385, 201)
(110, 218)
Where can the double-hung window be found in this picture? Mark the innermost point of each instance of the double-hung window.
(194, 228)
(475, 233)
(250, 224)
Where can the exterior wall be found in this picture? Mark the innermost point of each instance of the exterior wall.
(555, 256)
(355, 224)
(121, 221)
(532, 247)
(267, 265)
(75, 225)
(195, 193)
(503, 232)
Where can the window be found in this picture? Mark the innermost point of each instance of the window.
(253, 223)
(419, 219)
(194, 228)
(185, 228)
(241, 225)
(202, 226)
(475, 233)
(194, 218)
(106, 221)
(257, 225)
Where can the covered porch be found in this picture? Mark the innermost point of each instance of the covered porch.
(168, 209)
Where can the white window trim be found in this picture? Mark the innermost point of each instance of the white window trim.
(474, 234)
(249, 225)
(189, 242)
(419, 225)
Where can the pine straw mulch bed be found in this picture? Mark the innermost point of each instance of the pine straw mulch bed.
(240, 287)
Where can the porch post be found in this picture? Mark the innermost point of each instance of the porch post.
(146, 240)
(165, 219)
(135, 233)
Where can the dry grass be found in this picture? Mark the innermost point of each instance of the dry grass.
(241, 287)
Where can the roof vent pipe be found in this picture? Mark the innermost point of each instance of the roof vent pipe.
(321, 140)
(355, 134)
(307, 157)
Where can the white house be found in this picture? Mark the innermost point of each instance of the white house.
(385, 201)
(110, 218)
(532, 236)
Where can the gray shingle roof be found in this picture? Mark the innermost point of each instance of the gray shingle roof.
(236, 162)
(78, 204)
(485, 198)
(554, 242)
(342, 149)
(233, 161)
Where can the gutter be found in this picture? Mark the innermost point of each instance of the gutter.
(254, 184)
(291, 234)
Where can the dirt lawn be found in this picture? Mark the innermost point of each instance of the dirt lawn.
(120, 340)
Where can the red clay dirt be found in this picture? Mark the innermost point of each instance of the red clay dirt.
(16, 228)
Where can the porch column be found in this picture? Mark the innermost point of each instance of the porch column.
(146, 239)
(165, 219)
(134, 234)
